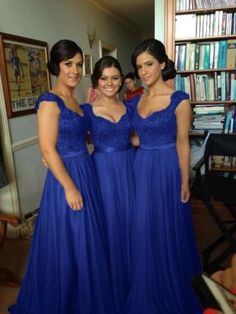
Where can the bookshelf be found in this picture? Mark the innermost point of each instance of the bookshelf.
(200, 36)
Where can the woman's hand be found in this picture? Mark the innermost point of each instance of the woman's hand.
(185, 193)
(48, 119)
(44, 162)
(135, 139)
(74, 198)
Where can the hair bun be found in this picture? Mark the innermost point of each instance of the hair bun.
(51, 67)
(169, 71)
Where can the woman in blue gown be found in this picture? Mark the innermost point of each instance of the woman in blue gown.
(164, 252)
(113, 158)
(67, 269)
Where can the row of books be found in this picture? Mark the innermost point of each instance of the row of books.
(212, 118)
(224, 162)
(208, 87)
(208, 118)
(205, 25)
(228, 127)
(206, 55)
(230, 120)
(202, 4)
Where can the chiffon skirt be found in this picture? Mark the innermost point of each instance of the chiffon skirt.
(67, 269)
(115, 175)
(164, 253)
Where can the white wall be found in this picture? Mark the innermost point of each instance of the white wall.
(49, 21)
(159, 19)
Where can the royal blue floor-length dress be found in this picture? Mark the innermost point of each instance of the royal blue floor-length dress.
(113, 158)
(164, 252)
(67, 269)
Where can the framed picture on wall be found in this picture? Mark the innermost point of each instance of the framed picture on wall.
(87, 65)
(23, 66)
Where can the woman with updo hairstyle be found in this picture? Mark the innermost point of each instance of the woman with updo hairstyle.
(156, 49)
(164, 252)
(67, 270)
(113, 159)
(61, 51)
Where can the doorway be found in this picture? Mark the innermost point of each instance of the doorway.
(106, 50)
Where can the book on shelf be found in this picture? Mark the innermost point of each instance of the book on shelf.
(218, 85)
(192, 56)
(181, 57)
(185, 26)
(202, 4)
(223, 85)
(208, 117)
(230, 120)
(187, 56)
(197, 52)
(231, 53)
(227, 121)
(233, 86)
(222, 54)
(209, 107)
(206, 55)
(203, 25)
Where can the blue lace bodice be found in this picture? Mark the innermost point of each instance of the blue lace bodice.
(160, 127)
(108, 133)
(73, 127)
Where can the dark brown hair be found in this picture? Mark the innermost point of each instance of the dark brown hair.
(101, 64)
(156, 49)
(62, 50)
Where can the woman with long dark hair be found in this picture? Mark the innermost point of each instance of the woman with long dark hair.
(164, 252)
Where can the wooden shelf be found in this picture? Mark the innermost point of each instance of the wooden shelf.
(210, 38)
(197, 134)
(223, 168)
(207, 10)
(186, 78)
(207, 71)
(214, 102)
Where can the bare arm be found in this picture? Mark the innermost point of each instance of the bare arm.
(89, 92)
(183, 114)
(48, 117)
(227, 277)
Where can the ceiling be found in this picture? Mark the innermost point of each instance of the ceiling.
(137, 14)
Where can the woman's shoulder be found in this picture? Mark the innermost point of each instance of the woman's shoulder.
(49, 97)
(180, 95)
(177, 97)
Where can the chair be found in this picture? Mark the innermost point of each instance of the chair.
(218, 184)
(6, 276)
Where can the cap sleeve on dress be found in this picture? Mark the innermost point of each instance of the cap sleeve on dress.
(177, 97)
(49, 97)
